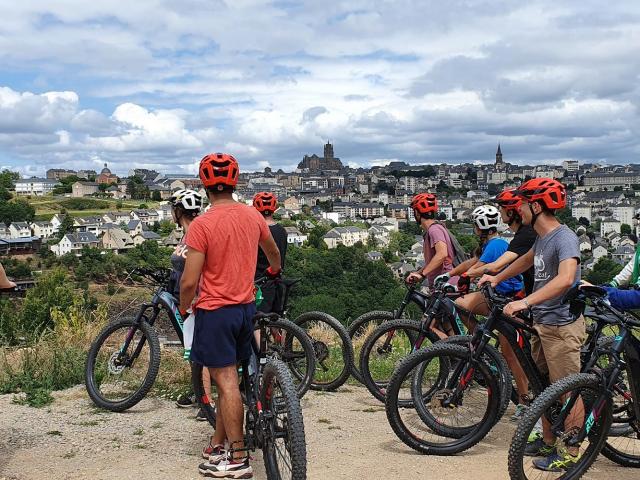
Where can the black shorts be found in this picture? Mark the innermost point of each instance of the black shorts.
(224, 336)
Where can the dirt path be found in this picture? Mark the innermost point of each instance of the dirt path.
(347, 438)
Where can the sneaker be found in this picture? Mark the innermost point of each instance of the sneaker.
(556, 462)
(200, 416)
(186, 400)
(538, 448)
(214, 453)
(227, 469)
(520, 409)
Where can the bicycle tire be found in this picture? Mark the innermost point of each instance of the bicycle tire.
(346, 349)
(543, 403)
(293, 331)
(412, 328)
(204, 402)
(358, 328)
(454, 445)
(295, 440)
(154, 365)
(499, 364)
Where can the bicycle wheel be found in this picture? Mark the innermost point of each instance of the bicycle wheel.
(205, 401)
(384, 348)
(461, 402)
(572, 397)
(289, 343)
(122, 364)
(333, 349)
(498, 366)
(284, 446)
(360, 329)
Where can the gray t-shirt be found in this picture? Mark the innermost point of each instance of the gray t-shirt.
(558, 245)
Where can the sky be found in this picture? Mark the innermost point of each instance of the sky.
(159, 84)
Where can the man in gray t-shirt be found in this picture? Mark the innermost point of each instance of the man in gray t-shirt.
(549, 251)
(555, 257)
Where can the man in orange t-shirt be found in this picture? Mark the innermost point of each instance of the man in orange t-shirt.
(221, 261)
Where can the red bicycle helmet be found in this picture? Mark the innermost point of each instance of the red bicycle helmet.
(508, 200)
(551, 193)
(265, 202)
(219, 169)
(425, 203)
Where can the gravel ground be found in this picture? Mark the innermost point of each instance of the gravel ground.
(347, 438)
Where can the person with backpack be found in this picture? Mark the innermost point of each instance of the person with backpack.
(486, 219)
(556, 349)
(438, 249)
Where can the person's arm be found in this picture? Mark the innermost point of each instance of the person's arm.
(4, 281)
(555, 288)
(477, 270)
(624, 277)
(270, 249)
(623, 299)
(494, 267)
(464, 267)
(190, 278)
(521, 265)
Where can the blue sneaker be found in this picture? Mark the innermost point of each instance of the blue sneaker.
(537, 448)
(556, 462)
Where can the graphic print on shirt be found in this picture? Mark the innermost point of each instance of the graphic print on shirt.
(181, 250)
(541, 273)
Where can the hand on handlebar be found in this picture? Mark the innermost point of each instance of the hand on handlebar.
(414, 277)
(512, 308)
(272, 274)
(488, 278)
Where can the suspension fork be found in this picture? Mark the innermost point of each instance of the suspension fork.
(132, 331)
(463, 373)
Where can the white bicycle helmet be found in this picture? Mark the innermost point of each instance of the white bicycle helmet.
(486, 217)
(187, 199)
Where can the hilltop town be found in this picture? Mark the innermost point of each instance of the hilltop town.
(367, 205)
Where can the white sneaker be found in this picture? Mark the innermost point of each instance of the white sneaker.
(227, 469)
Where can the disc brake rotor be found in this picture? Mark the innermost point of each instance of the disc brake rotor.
(437, 403)
(116, 363)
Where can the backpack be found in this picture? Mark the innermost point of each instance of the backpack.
(459, 255)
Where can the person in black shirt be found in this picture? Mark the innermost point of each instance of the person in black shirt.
(266, 203)
(521, 243)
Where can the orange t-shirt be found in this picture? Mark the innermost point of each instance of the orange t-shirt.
(228, 235)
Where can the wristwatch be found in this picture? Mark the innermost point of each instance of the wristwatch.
(524, 300)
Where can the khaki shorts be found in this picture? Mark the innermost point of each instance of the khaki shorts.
(556, 349)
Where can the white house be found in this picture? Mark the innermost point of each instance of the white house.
(585, 243)
(347, 236)
(294, 237)
(35, 186)
(624, 213)
(73, 242)
(609, 225)
(581, 210)
(19, 230)
(135, 227)
(43, 229)
(146, 235)
(56, 221)
(599, 252)
(88, 224)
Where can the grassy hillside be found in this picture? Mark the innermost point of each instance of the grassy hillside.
(47, 206)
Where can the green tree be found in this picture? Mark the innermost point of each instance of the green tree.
(603, 271)
(625, 229)
(564, 216)
(16, 211)
(66, 226)
(315, 237)
(155, 196)
(8, 179)
(5, 194)
(401, 241)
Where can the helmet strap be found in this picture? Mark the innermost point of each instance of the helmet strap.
(534, 216)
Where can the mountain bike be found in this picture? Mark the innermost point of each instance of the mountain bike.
(581, 408)
(124, 359)
(393, 340)
(363, 326)
(273, 416)
(456, 395)
(330, 339)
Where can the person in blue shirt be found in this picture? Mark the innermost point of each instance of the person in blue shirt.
(619, 298)
(486, 219)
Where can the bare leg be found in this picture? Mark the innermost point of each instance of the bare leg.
(229, 417)
(4, 281)
(522, 382)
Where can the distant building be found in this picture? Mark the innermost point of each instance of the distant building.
(347, 236)
(314, 163)
(59, 173)
(84, 189)
(106, 176)
(74, 242)
(35, 186)
(500, 165)
(294, 237)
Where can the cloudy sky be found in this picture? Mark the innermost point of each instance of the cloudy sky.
(159, 83)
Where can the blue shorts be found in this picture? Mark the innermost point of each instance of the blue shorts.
(224, 336)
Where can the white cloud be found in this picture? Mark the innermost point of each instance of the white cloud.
(157, 83)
